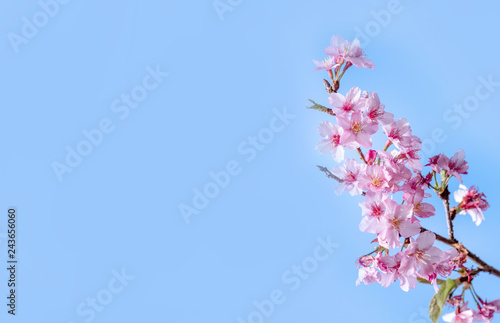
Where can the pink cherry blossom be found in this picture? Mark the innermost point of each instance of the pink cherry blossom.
(375, 110)
(461, 315)
(389, 266)
(398, 132)
(349, 51)
(331, 143)
(421, 254)
(411, 158)
(356, 130)
(445, 266)
(433, 162)
(373, 209)
(414, 184)
(396, 167)
(420, 209)
(368, 275)
(455, 165)
(350, 103)
(376, 178)
(471, 202)
(349, 174)
(395, 223)
(487, 310)
(327, 63)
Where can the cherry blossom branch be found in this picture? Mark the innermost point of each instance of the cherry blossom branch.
(329, 174)
(331, 88)
(361, 155)
(445, 196)
(483, 266)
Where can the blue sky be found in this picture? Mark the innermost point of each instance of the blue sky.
(171, 94)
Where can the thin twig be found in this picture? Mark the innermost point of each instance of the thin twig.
(329, 174)
(445, 196)
(361, 155)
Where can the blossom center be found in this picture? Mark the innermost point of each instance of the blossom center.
(336, 140)
(350, 177)
(377, 182)
(357, 127)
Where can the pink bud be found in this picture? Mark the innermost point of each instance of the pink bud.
(371, 156)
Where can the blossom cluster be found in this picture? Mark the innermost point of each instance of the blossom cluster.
(394, 186)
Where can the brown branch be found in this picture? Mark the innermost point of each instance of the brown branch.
(483, 266)
(361, 155)
(445, 196)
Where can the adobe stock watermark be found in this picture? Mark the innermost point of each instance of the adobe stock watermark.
(88, 310)
(456, 115)
(381, 19)
(48, 9)
(121, 107)
(292, 278)
(223, 6)
(248, 149)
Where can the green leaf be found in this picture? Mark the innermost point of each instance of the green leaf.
(438, 301)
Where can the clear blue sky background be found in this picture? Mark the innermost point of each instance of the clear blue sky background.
(119, 208)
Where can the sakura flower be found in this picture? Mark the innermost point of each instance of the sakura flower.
(328, 64)
(375, 110)
(422, 254)
(367, 275)
(445, 266)
(471, 202)
(372, 210)
(395, 223)
(433, 162)
(420, 209)
(411, 158)
(376, 178)
(399, 132)
(414, 184)
(461, 315)
(349, 174)
(331, 143)
(454, 166)
(349, 51)
(350, 103)
(356, 130)
(398, 171)
(486, 311)
(389, 266)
